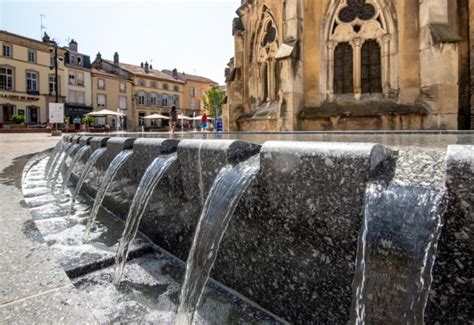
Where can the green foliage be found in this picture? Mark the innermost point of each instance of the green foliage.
(88, 120)
(18, 119)
(213, 100)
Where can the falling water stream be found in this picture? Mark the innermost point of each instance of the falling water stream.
(55, 173)
(77, 157)
(57, 149)
(56, 160)
(114, 168)
(95, 156)
(149, 181)
(220, 204)
(396, 253)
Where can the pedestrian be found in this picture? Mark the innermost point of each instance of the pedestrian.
(203, 122)
(77, 124)
(173, 119)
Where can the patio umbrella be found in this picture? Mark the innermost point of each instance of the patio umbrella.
(157, 116)
(105, 112)
(184, 117)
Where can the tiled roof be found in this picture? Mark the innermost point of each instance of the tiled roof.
(105, 73)
(139, 71)
(185, 77)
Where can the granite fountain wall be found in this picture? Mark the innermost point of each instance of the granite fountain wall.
(291, 245)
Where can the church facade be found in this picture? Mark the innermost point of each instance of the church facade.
(305, 65)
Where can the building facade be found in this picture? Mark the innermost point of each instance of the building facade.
(78, 83)
(154, 92)
(194, 88)
(27, 83)
(350, 65)
(112, 89)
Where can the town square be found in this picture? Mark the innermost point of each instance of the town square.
(237, 162)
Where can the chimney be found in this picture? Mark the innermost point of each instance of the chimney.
(116, 58)
(175, 73)
(73, 46)
(151, 67)
(98, 57)
(147, 67)
(141, 65)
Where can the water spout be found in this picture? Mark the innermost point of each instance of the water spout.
(57, 149)
(114, 168)
(54, 174)
(87, 168)
(77, 157)
(396, 253)
(220, 204)
(149, 181)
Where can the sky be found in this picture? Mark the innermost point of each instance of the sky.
(193, 36)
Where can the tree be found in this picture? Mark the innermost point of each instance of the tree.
(213, 100)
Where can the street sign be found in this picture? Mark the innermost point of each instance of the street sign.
(56, 113)
(219, 126)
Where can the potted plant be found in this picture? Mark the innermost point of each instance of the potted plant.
(88, 121)
(19, 121)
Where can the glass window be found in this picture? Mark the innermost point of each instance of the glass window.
(166, 86)
(141, 98)
(176, 88)
(7, 50)
(123, 87)
(193, 92)
(80, 78)
(52, 84)
(176, 101)
(71, 96)
(101, 100)
(79, 61)
(31, 56)
(371, 73)
(81, 97)
(154, 84)
(6, 78)
(343, 69)
(72, 78)
(153, 100)
(31, 81)
(123, 102)
(142, 83)
(192, 103)
(141, 120)
(101, 83)
(164, 100)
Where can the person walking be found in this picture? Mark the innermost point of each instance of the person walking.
(173, 119)
(203, 122)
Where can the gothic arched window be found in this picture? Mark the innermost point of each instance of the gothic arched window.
(343, 69)
(371, 73)
(266, 47)
(359, 49)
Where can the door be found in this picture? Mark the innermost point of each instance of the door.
(8, 112)
(33, 115)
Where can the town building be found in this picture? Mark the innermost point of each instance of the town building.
(351, 65)
(112, 89)
(194, 88)
(153, 92)
(27, 83)
(78, 83)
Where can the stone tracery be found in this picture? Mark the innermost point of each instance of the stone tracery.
(355, 22)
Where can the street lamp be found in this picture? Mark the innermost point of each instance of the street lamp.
(54, 51)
